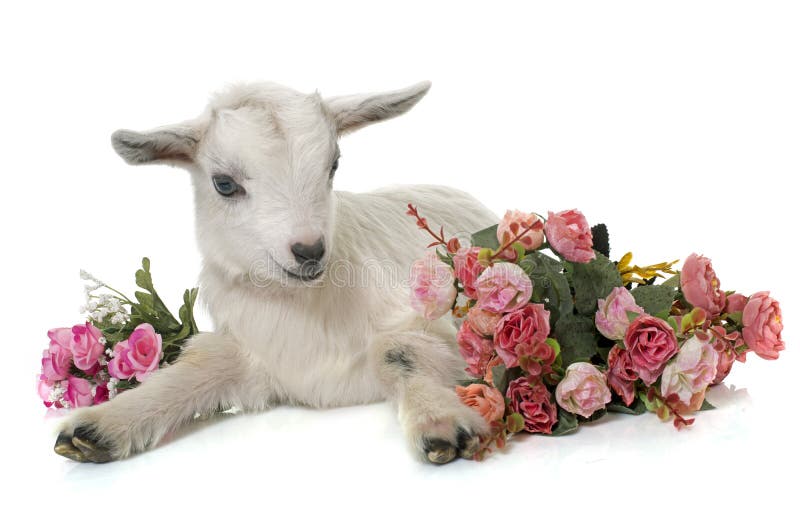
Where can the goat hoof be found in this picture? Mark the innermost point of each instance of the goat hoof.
(83, 446)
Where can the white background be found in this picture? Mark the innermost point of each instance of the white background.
(676, 123)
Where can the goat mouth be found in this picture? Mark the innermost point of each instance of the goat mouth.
(307, 272)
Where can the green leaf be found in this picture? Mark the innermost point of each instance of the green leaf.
(486, 238)
(636, 408)
(593, 417)
(593, 281)
(706, 406)
(577, 337)
(655, 299)
(550, 286)
(600, 241)
(735, 318)
(500, 378)
(674, 281)
(567, 423)
(515, 423)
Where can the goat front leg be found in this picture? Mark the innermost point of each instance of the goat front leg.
(419, 365)
(212, 373)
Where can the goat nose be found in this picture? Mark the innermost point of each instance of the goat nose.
(304, 252)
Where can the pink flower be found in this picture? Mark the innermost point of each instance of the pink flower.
(700, 285)
(57, 359)
(100, 393)
(763, 325)
(45, 389)
(651, 342)
(514, 223)
(583, 389)
(735, 303)
(78, 392)
(138, 356)
(569, 235)
(487, 400)
(621, 374)
(611, 318)
(503, 287)
(467, 269)
(725, 361)
(118, 367)
(482, 321)
(525, 326)
(432, 286)
(690, 373)
(475, 350)
(534, 403)
(85, 345)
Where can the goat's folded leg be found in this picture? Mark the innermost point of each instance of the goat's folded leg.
(212, 373)
(419, 365)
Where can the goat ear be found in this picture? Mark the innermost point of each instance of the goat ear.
(356, 111)
(170, 144)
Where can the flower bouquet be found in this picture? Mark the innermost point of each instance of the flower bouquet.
(121, 343)
(555, 334)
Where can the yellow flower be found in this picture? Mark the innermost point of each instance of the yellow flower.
(641, 275)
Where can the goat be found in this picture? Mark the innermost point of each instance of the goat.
(290, 327)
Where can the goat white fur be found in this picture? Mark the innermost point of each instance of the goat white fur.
(330, 332)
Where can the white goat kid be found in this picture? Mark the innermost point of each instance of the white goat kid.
(306, 286)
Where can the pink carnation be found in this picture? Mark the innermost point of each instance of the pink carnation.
(482, 321)
(763, 324)
(475, 350)
(467, 269)
(534, 403)
(503, 287)
(611, 317)
(583, 390)
(433, 288)
(690, 373)
(514, 223)
(521, 330)
(621, 374)
(569, 234)
(651, 342)
(700, 285)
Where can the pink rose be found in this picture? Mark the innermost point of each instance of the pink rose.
(569, 235)
(57, 359)
(467, 269)
(700, 285)
(735, 303)
(100, 393)
(503, 287)
(534, 403)
(85, 345)
(45, 389)
(621, 374)
(433, 288)
(583, 389)
(487, 400)
(514, 223)
(763, 325)
(690, 373)
(611, 318)
(118, 366)
(525, 326)
(651, 342)
(138, 356)
(78, 392)
(482, 321)
(475, 350)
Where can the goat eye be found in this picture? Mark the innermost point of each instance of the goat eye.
(334, 167)
(225, 185)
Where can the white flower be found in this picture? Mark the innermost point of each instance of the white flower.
(112, 387)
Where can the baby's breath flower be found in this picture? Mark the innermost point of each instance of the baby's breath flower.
(112, 387)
